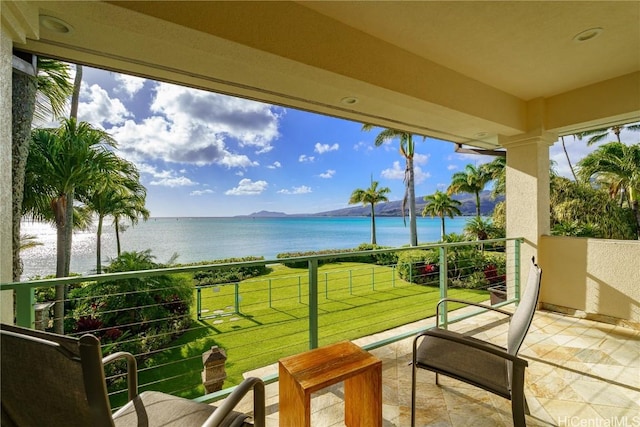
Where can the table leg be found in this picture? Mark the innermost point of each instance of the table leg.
(363, 398)
(295, 404)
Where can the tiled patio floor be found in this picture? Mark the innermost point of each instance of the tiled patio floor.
(581, 373)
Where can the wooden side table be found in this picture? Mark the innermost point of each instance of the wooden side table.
(305, 373)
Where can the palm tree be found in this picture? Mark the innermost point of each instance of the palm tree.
(407, 150)
(496, 170)
(370, 196)
(119, 192)
(472, 180)
(617, 165)
(42, 96)
(597, 135)
(440, 204)
(60, 161)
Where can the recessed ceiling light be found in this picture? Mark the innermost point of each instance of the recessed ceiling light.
(481, 134)
(349, 100)
(587, 35)
(55, 24)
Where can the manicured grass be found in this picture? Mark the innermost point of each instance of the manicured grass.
(354, 300)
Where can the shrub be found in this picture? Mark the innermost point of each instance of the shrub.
(419, 266)
(153, 309)
(230, 274)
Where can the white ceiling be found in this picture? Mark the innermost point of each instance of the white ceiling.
(449, 69)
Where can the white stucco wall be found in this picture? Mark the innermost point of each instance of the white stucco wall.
(598, 278)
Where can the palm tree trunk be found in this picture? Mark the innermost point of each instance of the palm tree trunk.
(373, 224)
(75, 98)
(564, 148)
(117, 224)
(478, 204)
(98, 245)
(413, 228)
(68, 226)
(24, 89)
(442, 233)
(59, 208)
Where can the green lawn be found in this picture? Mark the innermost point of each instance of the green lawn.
(273, 319)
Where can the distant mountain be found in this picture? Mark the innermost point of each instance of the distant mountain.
(394, 208)
(467, 208)
(265, 214)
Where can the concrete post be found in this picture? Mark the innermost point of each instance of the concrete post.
(528, 192)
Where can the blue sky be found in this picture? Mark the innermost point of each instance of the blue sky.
(206, 154)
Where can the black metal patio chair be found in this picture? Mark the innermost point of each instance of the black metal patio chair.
(56, 380)
(496, 369)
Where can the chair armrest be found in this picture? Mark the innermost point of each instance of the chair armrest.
(476, 304)
(259, 403)
(132, 370)
(471, 342)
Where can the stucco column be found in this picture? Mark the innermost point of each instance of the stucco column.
(18, 21)
(6, 297)
(527, 192)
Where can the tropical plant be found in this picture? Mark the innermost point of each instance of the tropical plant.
(370, 196)
(617, 166)
(61, 161)
(440, 204)
(597, 135)
(479, 228)
(117, 193)
(42, 96)
(577, 209)
(472, 180)
(407, 150)
(496, 169)
(153, 310)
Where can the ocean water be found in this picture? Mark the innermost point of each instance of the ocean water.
(205, 239)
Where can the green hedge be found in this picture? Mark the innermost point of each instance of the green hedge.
(380, 259)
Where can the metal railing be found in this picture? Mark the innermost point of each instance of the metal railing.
(337, 296)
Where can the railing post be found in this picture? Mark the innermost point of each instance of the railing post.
(299, 289)
(326, 285)
(350, 282)
(517, 270)
(373, 278)
(442, 321)
(313, 303)
(237, 297)
(270, 293)
(199, 303)
(25, 299)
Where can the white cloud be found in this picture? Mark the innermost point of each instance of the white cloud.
(247, 187)
(251, 123)
(421, 159)
(197, 127)
(328, 174)
(164, 178)
(452, 167)
(363, 146)
(324, 148)
(275, 165)
(101, 110)
(306, 159)
(201, 192)
(177, 181)
(397, 172)
(303, 189)
(129, 84)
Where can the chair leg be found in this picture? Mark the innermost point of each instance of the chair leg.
(437, 382)
(413, 394)
(518, 405)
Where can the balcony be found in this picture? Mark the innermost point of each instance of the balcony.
(581, 372)
(579, 369)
